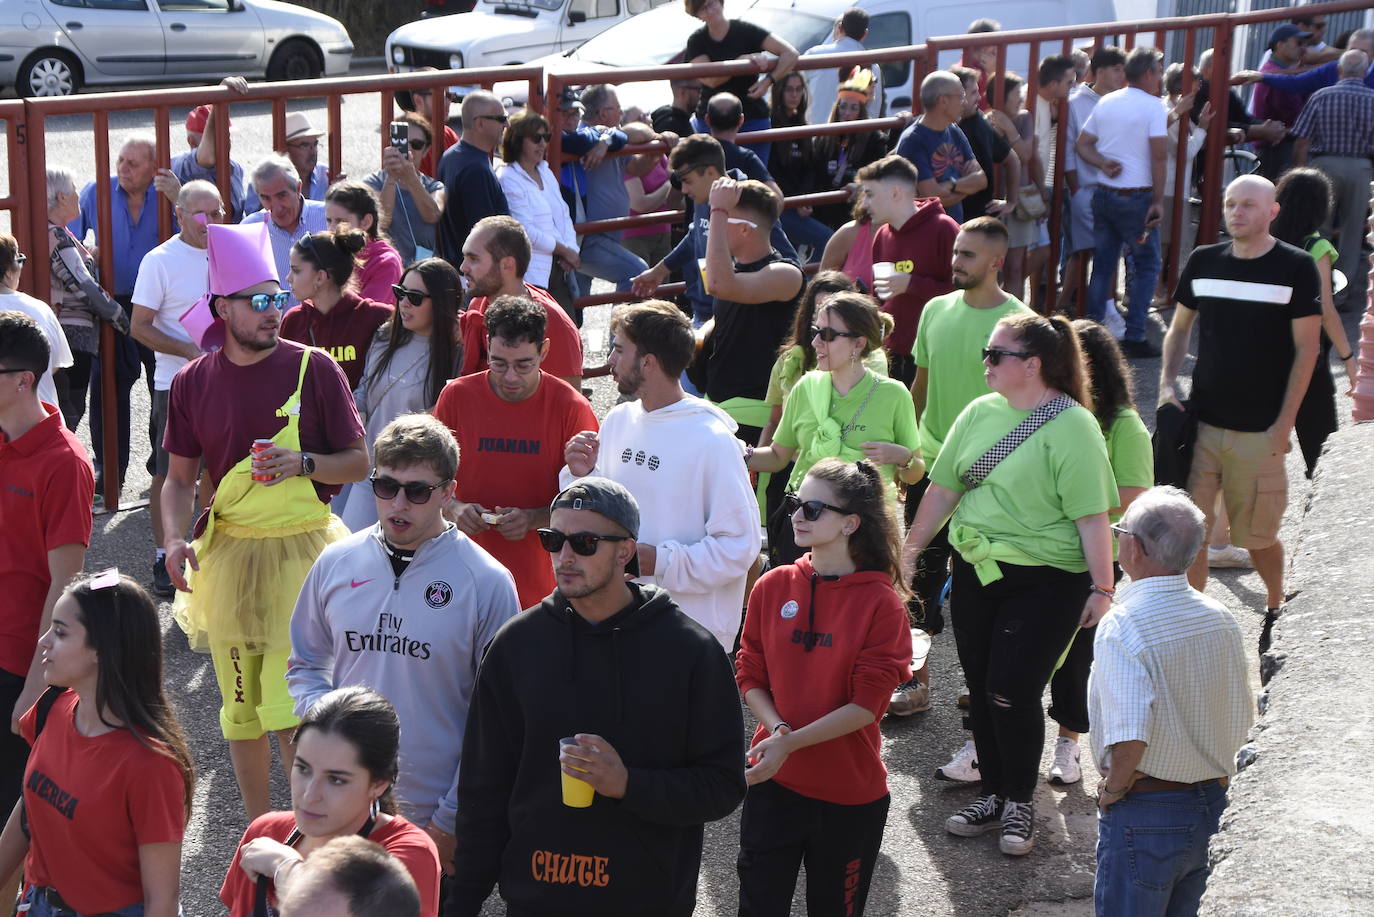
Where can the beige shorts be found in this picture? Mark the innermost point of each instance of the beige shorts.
(1250, 476)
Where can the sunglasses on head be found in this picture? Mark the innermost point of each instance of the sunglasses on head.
(415, 296)
(417, 492)
(261, 302)
(994, 355)
(584, 543)
(829, 334)
(811, 509)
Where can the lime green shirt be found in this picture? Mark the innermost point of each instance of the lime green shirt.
(950, 338)
(1024, 512)
(1131, 453)
(839, 432)
(787, 369)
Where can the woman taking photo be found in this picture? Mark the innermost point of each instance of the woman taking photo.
(1304, 198)
(817, 785)
(1033, 556)
(793, 166)
(410, 359)
(839, 157)
(842, 409)
(340, 785)
(722, 39)
(534, 198)
(107, 788)
(1133, 465)
(332, 315)
(353, 205)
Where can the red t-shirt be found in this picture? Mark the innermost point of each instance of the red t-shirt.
(91, 803)
(510, 453)
(217, 408)
(565, 341)
(923, 247)
(861, 651)
(345, 331)
(398, 837)
(46, 487)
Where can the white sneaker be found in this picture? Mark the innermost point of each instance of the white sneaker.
(909, 698)
(1113, 322)
(1228, 555)
(963, 767)
(1065, 769)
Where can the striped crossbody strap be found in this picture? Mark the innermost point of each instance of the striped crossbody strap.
(978, 472)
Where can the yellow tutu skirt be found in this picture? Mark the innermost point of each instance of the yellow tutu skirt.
(246, 588)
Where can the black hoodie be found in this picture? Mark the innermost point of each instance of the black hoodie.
(657, 687)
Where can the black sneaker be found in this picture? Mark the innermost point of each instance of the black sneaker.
(1142, 350)
(162, 581)
(983, 816)
(1018, 828)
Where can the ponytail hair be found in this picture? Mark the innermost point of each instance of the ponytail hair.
(368, 722)
(1053, 341)
(335, 253)
(877, 543)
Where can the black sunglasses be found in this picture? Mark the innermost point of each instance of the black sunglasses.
(829, 334)
(502, 118)
(584, 543)
(415, 296)
(418, 143)
(541, 137)
(994, 355)
(416, 491)
(811, 509)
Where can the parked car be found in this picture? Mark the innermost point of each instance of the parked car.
(54, 47)
(499, 32)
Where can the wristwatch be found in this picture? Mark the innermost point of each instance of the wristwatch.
(307, 465)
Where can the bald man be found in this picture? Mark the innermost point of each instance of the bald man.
(1256, 302)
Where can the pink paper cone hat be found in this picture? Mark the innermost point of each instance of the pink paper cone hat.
(240, 257)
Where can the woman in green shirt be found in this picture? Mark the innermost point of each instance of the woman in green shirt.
(1033, 555)
(842, 409)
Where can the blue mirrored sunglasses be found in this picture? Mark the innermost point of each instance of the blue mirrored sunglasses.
(260, 302)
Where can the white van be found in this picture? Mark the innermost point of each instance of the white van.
(499, 32)
(659, 36)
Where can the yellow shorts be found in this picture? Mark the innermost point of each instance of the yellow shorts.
(253, 687)
(1249, 475)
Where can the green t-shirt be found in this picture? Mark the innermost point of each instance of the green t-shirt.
(950, 339)
(787, 369)
(1024, 511)
(887, 417)
(1131, 453)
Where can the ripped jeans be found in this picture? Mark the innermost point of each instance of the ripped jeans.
(1010, 634)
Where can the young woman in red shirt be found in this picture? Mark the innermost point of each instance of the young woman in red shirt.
(107, 788)
(341, 781)
(826, 640)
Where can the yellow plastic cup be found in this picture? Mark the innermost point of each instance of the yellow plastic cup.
(701, 265)
(577, 793)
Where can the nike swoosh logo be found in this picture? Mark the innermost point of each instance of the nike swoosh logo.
(360, 582)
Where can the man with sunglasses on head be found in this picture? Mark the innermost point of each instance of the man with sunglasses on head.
(609, 681)
(406, 608)
(269, 519)
(171, 279)
(511, 423)
(465, 169)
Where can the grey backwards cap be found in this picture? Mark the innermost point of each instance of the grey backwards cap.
(604, 497)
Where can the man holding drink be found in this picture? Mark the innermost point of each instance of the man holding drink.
(576, 794)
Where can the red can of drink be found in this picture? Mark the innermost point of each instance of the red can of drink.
(260, 446)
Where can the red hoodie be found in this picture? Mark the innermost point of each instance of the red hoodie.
(860, 651)
(345, 331)
(923, 248)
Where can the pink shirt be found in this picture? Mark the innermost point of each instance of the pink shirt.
(380, 266)
(858, 264)
(652, 182)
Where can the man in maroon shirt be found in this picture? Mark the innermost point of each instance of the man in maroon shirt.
(46, 487)
(914, 245)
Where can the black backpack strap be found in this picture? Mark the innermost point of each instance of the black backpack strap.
(40, 719)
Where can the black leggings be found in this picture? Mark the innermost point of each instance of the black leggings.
(1069, 686)
(71, 384)
(131, 359)
(932, 568)
(780, 829)
(1010, 633)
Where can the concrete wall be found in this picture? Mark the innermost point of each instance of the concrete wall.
(1298, 837)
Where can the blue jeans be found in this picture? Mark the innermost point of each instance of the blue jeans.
(1119, 220)
(604, 258)
(1152, 852)
(806, 231)
(37, 906)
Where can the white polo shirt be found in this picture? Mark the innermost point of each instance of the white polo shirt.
(1123, 123)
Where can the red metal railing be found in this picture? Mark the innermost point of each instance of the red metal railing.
(26, 123)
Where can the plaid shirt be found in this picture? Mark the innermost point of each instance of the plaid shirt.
(1169, 669)
(1339, 120)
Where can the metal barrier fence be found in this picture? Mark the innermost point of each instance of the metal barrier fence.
(26, 124)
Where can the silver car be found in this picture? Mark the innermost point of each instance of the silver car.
(54, 47)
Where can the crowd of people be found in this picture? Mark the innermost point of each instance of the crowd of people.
(371, 449)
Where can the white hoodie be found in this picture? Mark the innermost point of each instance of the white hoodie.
(686, 470)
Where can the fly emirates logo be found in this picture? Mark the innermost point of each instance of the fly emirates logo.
(387, 638)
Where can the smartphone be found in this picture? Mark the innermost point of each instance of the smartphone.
(400, 136)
